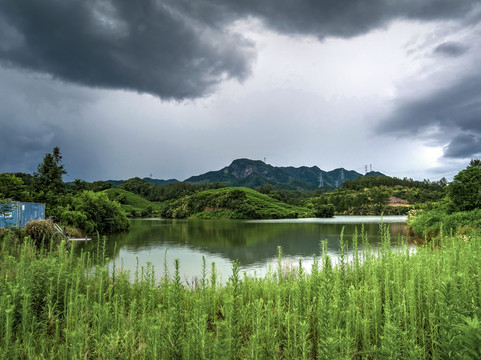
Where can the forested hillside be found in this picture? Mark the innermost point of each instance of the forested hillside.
(381, 195)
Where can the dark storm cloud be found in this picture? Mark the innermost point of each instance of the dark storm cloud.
(146, 46)
(464, 146)
(454, 111)
(37, 114)
(21, 143)
(451, 48)
(177, 49)
(342, 18)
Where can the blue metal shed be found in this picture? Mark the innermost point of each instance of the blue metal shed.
(19, 213)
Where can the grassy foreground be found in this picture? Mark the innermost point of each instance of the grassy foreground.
(383, 305)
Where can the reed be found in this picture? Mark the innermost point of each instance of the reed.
(381, 304)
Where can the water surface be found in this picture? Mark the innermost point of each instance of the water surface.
(253, 243)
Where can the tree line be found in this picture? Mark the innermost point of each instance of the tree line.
(72, 206)
(459, 211)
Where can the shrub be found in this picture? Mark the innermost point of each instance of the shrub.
(77, 219)
(324, 211)
(92, 212)
(74, 232)
(429, 223)
(42, 232)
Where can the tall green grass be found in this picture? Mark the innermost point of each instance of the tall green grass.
(376, 305)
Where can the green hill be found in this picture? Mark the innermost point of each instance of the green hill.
(132, 204)
(232, 203)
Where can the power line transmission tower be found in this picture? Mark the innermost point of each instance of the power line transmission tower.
(371, 167)
(365, 169)
(342, 176)
(321, 182)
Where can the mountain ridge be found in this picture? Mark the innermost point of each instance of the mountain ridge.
(256, 173)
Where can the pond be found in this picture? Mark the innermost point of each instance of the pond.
(253, 243)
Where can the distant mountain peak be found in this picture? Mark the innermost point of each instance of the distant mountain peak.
(243, 168)
(255, 173)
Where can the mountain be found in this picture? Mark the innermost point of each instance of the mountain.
(244, 172)
(147, 180)
(374, 173)
(160, 182)
(115, 182)
(255, 173)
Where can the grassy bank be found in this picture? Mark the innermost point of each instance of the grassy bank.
(395, 305)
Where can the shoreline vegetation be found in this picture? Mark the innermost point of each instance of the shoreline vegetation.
(84, 208)
(458, 212)
(384, 304)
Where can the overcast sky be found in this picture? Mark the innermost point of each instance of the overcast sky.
(176, 88)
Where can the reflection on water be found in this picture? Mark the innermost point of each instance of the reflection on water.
(253, 243)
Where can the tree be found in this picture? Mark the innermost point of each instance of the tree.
(99, 186)
(324, 211)
(48, 178)
(79, 186)
(11, 187)
(56, 154)
(380, 196)
(475, 163)
(48, 183)
(137, 186)
(443, 182)
(465, 189)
